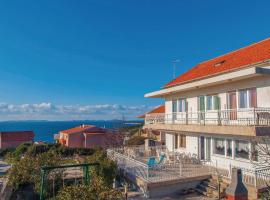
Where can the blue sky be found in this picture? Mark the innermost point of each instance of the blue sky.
(98, 58)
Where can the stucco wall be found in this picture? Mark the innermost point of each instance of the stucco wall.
(263, 93)
(75, 140)
(95, 141)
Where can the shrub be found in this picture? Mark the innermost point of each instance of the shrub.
(107, 170)
(4, 152)
(96, 191)
(27, 170)
(21, 149)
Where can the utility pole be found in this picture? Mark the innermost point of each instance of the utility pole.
(174, 62)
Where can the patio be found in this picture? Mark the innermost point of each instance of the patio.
(135, 161)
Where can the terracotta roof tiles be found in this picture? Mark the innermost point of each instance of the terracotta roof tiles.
(255, 53)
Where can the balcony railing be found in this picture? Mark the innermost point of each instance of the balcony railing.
(250, 116)
(133, 161)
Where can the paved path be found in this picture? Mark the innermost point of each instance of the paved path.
(193, 196)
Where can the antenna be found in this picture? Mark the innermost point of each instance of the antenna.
(174, 62)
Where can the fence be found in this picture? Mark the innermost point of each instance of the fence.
(251, 116)
(134, 164)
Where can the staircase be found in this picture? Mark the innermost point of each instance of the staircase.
(209, 188)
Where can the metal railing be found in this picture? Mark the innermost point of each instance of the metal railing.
(133, 161)
(249, 116)
(128, 164)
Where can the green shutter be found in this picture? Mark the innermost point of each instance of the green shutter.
(216, 103)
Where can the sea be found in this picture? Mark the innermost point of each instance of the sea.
(45, 130)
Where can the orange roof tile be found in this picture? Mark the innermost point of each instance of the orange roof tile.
(159, 109)
(255, 53)
(77, 129)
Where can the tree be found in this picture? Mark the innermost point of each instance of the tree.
(107, 169)
(261, 155)
(27, 169)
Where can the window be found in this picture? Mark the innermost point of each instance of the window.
(174, 106)
(209, 103)
(241, 149)
(212, 102)
(248, 98)
(243, 99)
(219, 146)
(179, 141)
(182, 105)
(229, 148)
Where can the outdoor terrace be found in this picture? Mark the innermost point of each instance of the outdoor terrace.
(134, 161)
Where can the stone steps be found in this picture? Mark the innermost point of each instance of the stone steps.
(209, 188)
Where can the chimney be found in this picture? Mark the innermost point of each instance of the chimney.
(237, 189)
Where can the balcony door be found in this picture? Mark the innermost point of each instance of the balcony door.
(202, 148)
(201, 108)
(232, 105)
(174, 111)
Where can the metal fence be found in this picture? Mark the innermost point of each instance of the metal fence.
(250, 116)
(133, 160)
(135, 164)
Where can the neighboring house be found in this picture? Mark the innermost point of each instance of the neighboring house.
(218, 108)
(88, 136)
(12, 139)
(159, 112)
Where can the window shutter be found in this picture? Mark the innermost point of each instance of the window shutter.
(216, 102)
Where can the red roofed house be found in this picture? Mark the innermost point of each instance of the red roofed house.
(88, 136)
(217, 109)
(157, 112)
(12, 139)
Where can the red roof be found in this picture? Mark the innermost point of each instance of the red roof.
(159, 109)
(78, 129)
(17, 136)
(240, 58)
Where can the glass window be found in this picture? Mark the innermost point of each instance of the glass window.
(182, 105)
(229, 148)
(174, 106)
(209, 103)
(243, 99)
(241, 149)
(219, 146)
(179, 141)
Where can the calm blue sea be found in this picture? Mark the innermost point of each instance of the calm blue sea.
(44, 130)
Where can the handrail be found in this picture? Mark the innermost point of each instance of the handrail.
(242, 116)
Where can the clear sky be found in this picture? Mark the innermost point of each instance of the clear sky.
(96, 59)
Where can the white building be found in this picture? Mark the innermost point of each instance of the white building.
(218, 108)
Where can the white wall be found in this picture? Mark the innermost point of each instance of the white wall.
(262, 83)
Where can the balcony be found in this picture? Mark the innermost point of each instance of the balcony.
(248, 122)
